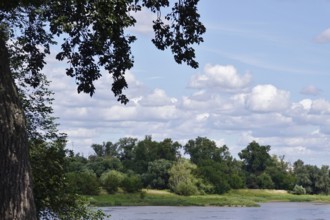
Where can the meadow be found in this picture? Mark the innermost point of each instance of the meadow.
(234, 198)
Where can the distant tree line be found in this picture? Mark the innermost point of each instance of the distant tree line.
(198, 167)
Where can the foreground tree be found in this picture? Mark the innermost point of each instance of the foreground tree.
(15, 172)
(96, 38)
(51, 189)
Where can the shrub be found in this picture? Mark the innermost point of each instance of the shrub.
(298, 190)
(204, 187)
(111, 180)
(182, 181)
(132, 183)
(185, 188)
(83, 183)
(265, 181)
(236, 181)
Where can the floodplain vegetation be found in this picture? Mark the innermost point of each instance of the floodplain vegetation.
(134, 172)
(233, 198)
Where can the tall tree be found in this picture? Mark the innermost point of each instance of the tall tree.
(200, 149)
(105, 149)
(168, 149)
(144, 152)
(15, 172)
(255, 159)
(215, 164)
(126, 148)
(95, 37)
(49, 164)
(280, 173)
(302, 175)
(323, 180)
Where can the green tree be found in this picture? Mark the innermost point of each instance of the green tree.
(302, 176)
(111, 180)
(132, 183)
(144, 152)
(323, 180)
(281, 173)
(94, 37)
(76, 163)
(265, 181)
(149, 150)
(168, 150)
(100, 165)
(83, 183)
(214, 174)
(215, 164)
(313, 173)
(126, 151)
(315, 180)
(106, 149)
(157, 176)
(47, 151)
(255, 159)
(201, 149)
(182, 181)
(50, 186)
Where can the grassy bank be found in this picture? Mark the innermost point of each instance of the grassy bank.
(243, 197)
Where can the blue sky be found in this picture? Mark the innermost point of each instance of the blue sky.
(264, 74)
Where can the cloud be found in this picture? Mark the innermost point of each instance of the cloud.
(144, 23)
(320, 106)
(311, 90)
(323, 37)
(267, 98)
(157, 98)
(220, 77)
(263, 113)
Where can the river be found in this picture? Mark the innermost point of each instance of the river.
(266, 211)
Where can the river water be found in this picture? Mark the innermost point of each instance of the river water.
(266, 211)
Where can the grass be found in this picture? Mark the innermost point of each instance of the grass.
(234, 198)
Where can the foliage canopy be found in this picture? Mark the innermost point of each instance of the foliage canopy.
(93, 35)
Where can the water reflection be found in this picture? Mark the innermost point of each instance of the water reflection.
(268, 211)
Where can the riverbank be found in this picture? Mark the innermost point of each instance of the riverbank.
(242, 197)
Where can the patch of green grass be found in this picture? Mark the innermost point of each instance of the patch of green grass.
(234, 198)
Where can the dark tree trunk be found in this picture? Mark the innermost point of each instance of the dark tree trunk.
(16, 197)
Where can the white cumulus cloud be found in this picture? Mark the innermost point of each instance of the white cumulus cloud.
(320, 106)
(157, 98)
(220, 77)
(267, 98)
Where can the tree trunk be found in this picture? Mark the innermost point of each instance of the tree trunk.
(16, 197)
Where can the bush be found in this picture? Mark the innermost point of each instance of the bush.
(204, 187)
(132, 183)
(298, 190)
(186, 189)
(83, 183)
(236, 181)
(182, 181)
(265, 181)
(111, 180)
